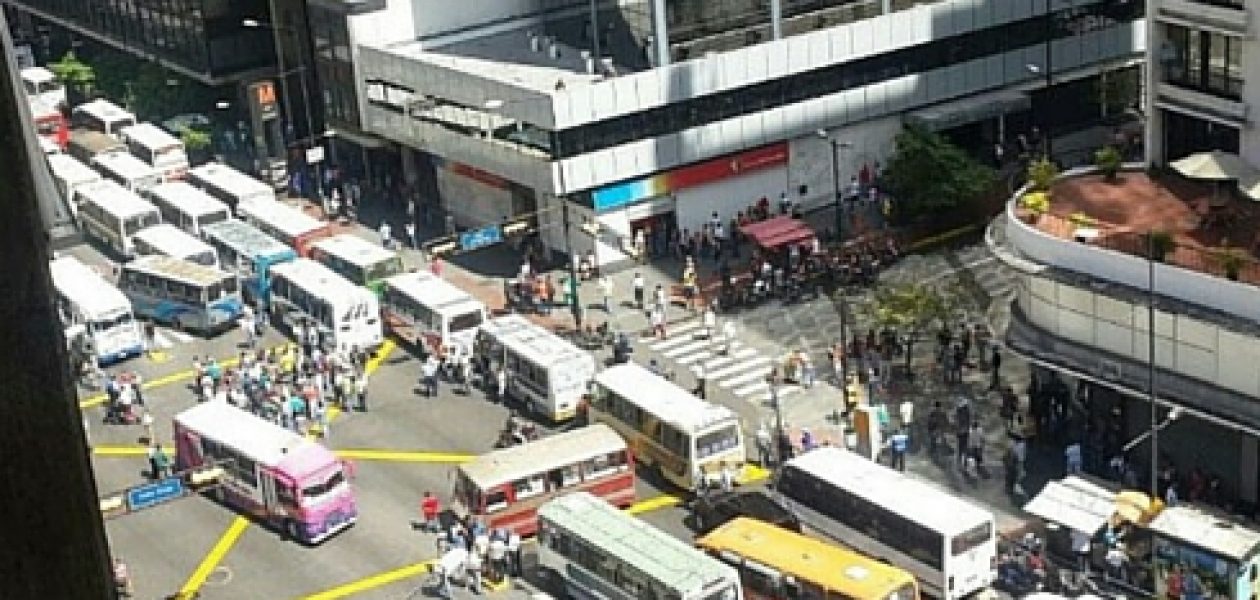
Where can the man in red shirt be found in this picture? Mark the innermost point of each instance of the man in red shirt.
(430, 508)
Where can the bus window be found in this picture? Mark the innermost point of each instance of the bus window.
(605, 464)
(496, 500)
(760, 579)
(465, 321)
(976, 536)
(716, 442)
(135, 224)
(529, 487)
(314, 491)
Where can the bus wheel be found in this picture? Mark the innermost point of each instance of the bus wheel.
(291, 530)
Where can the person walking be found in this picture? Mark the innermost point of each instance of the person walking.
(728, 336)
(995, 363)
(430, 507)
(898, 445)
(386, 232)
(638, 284)
(606, 289)
(764, 442)
(709, 321)
(410, 228)
(429, 372)
(658, 322)
(514, 553)
(159, 462)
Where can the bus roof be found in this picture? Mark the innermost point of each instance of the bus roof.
(355, 250)
(649, 550)
(518, 462)
(530, 340)
(931, 507)
(1217, 533)
(150, 136)
(187, 197)
(662, 398)
(104, 110)
(176, 268)
(806, 558)
(125, 165)
(172, 240)
(95, 141)
(38, 74)
(317, 279)
(41, 107)
(247, 240)
(116, 199)
(288, 220)
(231, 181)
(259, 440)
(434, 292)
(86, 287)
(71, 169)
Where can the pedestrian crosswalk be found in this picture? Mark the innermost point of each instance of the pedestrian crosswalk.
(164, 338)
(741, 369)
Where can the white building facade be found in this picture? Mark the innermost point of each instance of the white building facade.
(517, 116)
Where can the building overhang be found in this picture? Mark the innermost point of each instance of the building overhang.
(1202, 399)
(972, 109)
(1221, 111)
(350, 7)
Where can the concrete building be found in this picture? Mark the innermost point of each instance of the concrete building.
(660, 112)
(1202, 52)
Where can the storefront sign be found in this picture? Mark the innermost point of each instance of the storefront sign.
(690, 176)
(262, 95)
(472, 173)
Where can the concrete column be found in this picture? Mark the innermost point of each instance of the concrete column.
(54, 538)
(885, 7)
(660, 32)
(1248, 468)
(776, 18)
(409, 164)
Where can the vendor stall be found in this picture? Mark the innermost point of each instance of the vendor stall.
(778, 233)
(1075, 510)
(1201, 554)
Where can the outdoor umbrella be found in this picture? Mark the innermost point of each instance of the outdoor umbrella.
(1214, 166)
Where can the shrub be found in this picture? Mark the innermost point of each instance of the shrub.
(1037, 203)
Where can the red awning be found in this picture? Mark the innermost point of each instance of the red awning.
(778, 232)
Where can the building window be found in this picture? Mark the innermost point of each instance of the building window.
(1202, 60)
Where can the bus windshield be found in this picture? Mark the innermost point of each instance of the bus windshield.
(976, 536)
(717, 441)
(465, 321)
(313, 492)
(726, 593)
(212, 218)
(222, 288)
(107, 323)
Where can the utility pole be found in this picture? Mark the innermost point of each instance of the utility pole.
(576, 302)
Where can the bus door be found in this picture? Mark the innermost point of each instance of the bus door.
(267, 486)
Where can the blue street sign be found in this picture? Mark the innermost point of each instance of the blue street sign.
(152, 494)
(479, 238)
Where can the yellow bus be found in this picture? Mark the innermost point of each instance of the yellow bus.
(778, 564)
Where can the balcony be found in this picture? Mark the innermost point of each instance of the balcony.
(1098, 228)
(1188, 100)
(1224, 15)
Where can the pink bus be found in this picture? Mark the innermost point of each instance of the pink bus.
(272, 473)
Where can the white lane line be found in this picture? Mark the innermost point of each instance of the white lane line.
(160, 341)
(694, 357)
(749, 390)
(180, 336)
(745, 378)
(687, 348)
(733, 356)
(747, 365)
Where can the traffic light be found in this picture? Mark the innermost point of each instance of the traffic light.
(205, 476)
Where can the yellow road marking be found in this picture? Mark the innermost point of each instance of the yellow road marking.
(654, 503)
(211, 561)
(373, 582)
(165, 380)
(121, 450)
(406, 456)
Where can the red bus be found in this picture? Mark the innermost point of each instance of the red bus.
(506, 487)
(50, 124)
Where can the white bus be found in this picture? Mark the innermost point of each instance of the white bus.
(93, 308)
(182, 294)
(946, 542)
(602, 552)
(429, 312)
(103, 116)
(347, 316)
(228, 185)
(41, 83)
(129, 171)
(545, 372)
(165, 239)
(187, 207)
(157, 148)
(249, 253)
(670, 430)
(285, 223)
(112, 214)
(70, 175)
(362, 262)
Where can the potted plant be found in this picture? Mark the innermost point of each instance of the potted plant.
(1231, 260)
(1032, 205)
(1041, 174)
(1108, 161)
(1081, 219)
(1161, 243)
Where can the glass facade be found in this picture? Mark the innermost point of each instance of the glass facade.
(334, 67)
(1203, 60)
(204, 36)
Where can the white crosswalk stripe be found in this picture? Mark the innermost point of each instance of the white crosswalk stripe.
(745, 378)
(687, 348)
(783, 392)
(732, 357)
(164, 338)
(751, 363)
(748, 390)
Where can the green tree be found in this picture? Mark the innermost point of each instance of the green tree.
(1041, 173)
(196, 143)
(78, 76)
(928, 175)
(912, 309)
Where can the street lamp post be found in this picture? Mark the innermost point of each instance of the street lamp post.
(836, 147)
(779, 435)
(1150, 358)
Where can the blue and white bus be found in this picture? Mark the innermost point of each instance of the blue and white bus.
(92, 308)
(249, 253)
(182, 294)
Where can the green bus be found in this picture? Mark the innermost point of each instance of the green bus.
(362, 262)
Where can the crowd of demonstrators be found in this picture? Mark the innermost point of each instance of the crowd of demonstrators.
(124, 395)
(294, 386)
(472, 553)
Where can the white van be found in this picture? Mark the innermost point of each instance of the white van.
(187, 207)
(41, 83)
(129, 171)
(69, 175)
(230, 186)
(165, 239)
(113, 214)
(103, 116)
(159, 149)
